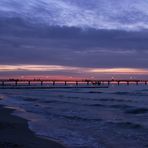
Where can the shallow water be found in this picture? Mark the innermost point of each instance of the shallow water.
(92, 118)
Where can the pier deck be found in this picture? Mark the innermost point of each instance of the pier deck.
(51, 83)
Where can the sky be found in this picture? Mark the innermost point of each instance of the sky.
(74, 38)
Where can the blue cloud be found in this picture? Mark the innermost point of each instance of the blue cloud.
(99, 14)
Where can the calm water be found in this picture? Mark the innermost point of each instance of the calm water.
(114, 117)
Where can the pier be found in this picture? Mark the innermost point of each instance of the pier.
(52, 83)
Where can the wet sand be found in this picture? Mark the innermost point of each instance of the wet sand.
(14, 133)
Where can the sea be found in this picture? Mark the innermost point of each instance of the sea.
(113, 117)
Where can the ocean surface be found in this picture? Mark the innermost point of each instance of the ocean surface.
(114, 117)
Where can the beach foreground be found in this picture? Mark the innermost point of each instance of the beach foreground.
(14, 133)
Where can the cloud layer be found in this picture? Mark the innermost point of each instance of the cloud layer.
(98, 14)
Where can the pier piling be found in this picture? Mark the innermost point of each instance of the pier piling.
(53, 83)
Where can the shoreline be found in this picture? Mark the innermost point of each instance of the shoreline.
(15, 133)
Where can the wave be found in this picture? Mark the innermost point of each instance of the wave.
(86, 92)
(81, 118)
(116, 106)
(114, 100)
(130, 93)
(52, 101)
(127, 125)
(97, 105)
(144, 90)
(121, 106)
(30, 99)
(137, 111)
(94, 92)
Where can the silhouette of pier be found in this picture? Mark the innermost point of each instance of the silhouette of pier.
(52, 83)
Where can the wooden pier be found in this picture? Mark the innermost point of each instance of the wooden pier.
(51, 83)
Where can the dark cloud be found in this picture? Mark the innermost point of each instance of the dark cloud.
(25, 43)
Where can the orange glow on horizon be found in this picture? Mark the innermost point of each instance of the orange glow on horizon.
(70, 69)
(120, 71)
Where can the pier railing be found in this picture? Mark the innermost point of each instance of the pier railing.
(76, 83)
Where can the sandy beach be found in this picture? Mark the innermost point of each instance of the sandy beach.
(14, 133)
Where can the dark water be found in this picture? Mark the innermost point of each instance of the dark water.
(114, 117)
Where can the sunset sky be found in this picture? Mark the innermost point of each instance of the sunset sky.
(74, 38)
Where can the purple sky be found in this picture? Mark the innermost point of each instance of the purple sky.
(78, 35)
